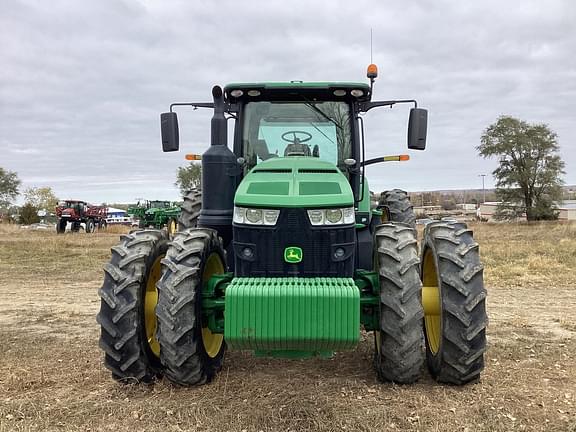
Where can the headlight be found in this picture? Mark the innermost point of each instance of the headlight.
(332, 216)
(255, 216)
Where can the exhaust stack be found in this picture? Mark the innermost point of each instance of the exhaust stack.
(219, 175)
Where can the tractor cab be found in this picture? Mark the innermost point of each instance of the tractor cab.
(284, 120)
(158, 204)
(71, 208)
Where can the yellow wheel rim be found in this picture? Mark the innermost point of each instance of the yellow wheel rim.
(172, 227)
(150, 302)
(212, 341)
(431, 302)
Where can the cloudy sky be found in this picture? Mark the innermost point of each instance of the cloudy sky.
(82, 83)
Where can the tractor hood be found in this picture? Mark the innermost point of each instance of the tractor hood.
(294, 182)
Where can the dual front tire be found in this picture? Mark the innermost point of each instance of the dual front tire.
(446, 312)
(151, 318)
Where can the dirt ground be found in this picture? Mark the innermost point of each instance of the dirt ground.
(52, 378)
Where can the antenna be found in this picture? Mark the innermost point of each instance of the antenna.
(371, 45)
(372, 71)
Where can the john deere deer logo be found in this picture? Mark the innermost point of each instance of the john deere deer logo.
(292, 254)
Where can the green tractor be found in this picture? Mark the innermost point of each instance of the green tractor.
(156, 214)
(287, 257)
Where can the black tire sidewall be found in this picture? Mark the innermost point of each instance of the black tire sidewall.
(61, 226)
(187, 220)
(388, 202)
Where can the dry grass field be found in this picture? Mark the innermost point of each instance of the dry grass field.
(52, 378)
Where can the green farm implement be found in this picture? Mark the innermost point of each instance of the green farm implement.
(286, 255)
(156, 214)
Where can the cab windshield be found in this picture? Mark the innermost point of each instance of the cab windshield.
(286, 129)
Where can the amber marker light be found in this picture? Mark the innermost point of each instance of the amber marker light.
(372, 71)
(192, 157)
(397, 158)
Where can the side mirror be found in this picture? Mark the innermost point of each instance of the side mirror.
(170, 136)
(417, 125)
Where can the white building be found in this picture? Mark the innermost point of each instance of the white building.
(567, 211)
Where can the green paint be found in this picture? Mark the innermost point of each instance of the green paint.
(214, 303)
(319, 188)
(292, 314)
(293, 254)
(269, 188)
(293, 354)
(368, 284)
(278, 182)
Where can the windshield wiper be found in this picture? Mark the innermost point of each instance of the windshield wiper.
(319, 130)
(319, 111)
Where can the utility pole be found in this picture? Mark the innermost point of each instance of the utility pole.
(483, 190)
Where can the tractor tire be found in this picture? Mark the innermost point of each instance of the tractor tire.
(454, 301)
(190, 354)
(399, 355)
(102, 226)
(90, 226)
(190, 210)
(61, 226)
(398, 206)
(129, 297)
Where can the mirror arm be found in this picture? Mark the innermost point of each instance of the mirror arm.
(195, 105)
(366, 106)
(228, 108)
(373, 161)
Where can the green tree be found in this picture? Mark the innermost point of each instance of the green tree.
(29, 214)
(528, 177)
(189, 177)
(42, 198)
(9, 184)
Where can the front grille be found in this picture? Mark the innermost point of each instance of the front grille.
(294, 229)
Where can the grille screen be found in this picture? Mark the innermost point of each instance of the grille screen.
(294, 229)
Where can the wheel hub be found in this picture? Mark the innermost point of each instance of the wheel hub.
(212, 341)
(431, 302)
(150, 302)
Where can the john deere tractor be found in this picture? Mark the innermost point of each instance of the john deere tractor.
(288, 258)
(156, 214)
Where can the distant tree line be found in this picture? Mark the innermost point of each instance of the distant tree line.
(35, 199)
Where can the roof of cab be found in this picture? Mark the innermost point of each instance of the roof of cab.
(326, 88)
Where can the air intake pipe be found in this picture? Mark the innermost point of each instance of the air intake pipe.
(220, 173)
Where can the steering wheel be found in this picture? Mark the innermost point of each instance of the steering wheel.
(296, 140)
